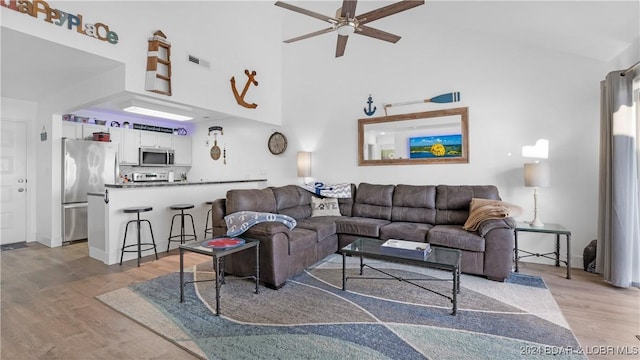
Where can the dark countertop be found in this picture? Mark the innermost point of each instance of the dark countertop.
(176, 183)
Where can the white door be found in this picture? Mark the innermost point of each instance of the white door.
(13, 182)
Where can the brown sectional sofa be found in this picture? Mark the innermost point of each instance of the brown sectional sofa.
(427, 213)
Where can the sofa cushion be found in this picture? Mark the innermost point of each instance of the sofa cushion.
(373, 201)
(346, 204)
(301, 239)
(360, 226)
(405, 231)
(413, 203)
(454, 236)
(324, 226)
(324, 207)
(261, 200)
(452, 201)
(293, 201)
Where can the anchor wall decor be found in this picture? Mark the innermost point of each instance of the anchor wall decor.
(240, 98)
(370, 111)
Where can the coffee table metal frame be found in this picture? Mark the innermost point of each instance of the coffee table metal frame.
(439, 258)
(218, 265)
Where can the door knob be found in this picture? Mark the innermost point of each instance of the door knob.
(20, 189)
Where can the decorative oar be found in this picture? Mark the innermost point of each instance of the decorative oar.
(444, 98)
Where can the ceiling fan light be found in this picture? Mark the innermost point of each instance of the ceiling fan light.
(346, 29)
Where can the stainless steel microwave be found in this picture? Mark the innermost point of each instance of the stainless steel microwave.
(156, 157)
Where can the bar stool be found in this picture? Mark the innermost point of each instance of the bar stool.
(208, 229)
(152, 245)
(182, 237)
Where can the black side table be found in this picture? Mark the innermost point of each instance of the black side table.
(556, 229)
(218, 264)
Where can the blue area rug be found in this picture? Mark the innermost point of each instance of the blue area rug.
(312, 318)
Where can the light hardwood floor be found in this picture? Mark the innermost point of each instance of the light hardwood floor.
(49, 310)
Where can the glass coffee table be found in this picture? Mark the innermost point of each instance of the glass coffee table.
(439, 258)
(218, 255)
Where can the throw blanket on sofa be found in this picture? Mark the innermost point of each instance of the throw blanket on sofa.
(484, 209)
(241, 221)
(332, 191)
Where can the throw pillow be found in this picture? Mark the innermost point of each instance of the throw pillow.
(324, 207)
(485, 209)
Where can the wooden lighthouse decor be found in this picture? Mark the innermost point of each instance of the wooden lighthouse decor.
(158, 78)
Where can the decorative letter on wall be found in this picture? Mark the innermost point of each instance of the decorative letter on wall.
(158, 78)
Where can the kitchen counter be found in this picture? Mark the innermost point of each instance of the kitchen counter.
(177, 183)
(107, 221)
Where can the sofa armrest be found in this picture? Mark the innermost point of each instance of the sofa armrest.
(488, 225)
(498, 253)
(219, 211)
(266, 230)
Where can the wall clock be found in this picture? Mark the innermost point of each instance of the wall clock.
(277, 143)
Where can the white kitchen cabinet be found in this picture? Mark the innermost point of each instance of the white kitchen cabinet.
(182, 150)
(71, 130)
(128, 144)
(89, 129)
(155, 139)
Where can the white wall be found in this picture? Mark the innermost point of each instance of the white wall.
(515, 94)
(231, 35)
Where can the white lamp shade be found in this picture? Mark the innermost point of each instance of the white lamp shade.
(537, 175)
(304, 164)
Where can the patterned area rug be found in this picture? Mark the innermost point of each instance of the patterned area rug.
(312, 318)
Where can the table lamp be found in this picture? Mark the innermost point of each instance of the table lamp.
(536, 175)
(304, 164)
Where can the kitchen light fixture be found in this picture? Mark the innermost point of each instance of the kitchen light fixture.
(304, 164)
(536, 175)
(155, 110)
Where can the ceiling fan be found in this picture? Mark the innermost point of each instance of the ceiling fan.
(346, 22)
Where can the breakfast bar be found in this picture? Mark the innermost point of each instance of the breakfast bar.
(107, 221)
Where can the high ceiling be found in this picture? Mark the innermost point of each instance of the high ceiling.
(599, 30)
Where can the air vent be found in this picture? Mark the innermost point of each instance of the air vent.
(198, 61)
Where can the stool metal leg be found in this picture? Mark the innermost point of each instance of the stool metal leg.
(193, 226)
(139, 245)
(124, 242)
(153, 240)
(181, 226)
(206, 225)
(171, 231)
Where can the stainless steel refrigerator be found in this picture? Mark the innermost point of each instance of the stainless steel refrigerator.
(86, 167)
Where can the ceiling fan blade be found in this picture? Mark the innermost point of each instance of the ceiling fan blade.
(300, 10)
(342, 44)
(377, 34)
(349, 9)
(315, 33)
(387, 10)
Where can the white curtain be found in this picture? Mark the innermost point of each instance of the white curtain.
(618, 249)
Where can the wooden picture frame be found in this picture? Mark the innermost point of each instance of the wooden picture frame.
(428, 137)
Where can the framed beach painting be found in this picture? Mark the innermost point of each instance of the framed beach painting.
(429, 137)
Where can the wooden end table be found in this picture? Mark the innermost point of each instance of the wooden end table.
(547, 228)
